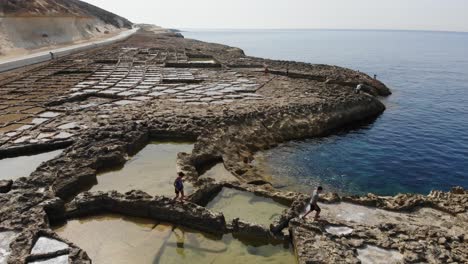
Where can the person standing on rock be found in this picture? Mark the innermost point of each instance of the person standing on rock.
(179, 186)
(265, 66)
(313, 203)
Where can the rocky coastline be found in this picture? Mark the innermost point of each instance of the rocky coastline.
(171, 88)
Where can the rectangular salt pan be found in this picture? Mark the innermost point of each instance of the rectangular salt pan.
(246, 206)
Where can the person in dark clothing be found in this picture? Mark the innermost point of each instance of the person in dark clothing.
(313, 203)
(179, 186)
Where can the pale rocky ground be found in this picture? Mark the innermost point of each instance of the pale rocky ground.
(106, 104)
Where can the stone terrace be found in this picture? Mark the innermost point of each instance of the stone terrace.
(106, 104)
(30, 102)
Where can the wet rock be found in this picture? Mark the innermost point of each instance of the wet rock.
(458, 190)
(451, 202)
(5, 186)
(296, 208)
(75, 182)
(252, 231)
(204, 194)
(55, 208)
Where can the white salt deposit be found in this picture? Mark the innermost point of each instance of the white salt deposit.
(376, 255)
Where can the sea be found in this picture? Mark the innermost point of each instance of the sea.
(420, 143)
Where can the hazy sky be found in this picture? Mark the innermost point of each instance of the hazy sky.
(449, 15)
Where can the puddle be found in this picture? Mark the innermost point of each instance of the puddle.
(246, 206)
(338, 230)
(376, 255)
(219, 173)
(34, 110)
(38, 121)
(11, 118)
(49, 114)
(23, 166)
(10, 128)
(5, 239)
(152, 170)
(208, 61)
(118, 239)
(16, 109)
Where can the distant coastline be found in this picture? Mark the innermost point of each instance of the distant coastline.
(316, 29)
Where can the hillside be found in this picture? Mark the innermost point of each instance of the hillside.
(27, 25)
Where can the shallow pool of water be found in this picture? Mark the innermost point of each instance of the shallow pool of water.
(117, 239)
(338, 230)
(23, 166)
(246, 206)
(152, 170)
(219, 173)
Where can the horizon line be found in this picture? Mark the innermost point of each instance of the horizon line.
(329, 29)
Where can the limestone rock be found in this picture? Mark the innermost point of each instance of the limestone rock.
(5, 185)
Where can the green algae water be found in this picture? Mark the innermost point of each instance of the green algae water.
(23, 166)
(419, 143)
(152, 170)
(114, 239)
(246, 206)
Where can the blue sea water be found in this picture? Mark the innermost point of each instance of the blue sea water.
(420, 143)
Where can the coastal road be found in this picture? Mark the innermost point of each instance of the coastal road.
(21, 61)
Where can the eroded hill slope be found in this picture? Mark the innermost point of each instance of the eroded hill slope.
(27, 25)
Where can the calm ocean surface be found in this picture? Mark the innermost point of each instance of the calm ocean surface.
(421, 141)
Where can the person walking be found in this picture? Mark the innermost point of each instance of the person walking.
(179, 186)
(313, 203)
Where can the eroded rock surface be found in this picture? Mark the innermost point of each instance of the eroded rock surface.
(137, 203)
(103, 106)
(421, 235)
